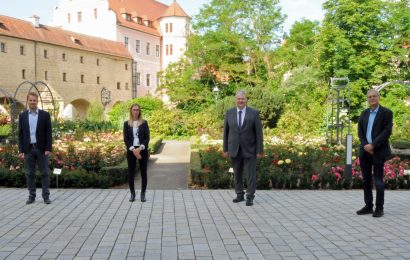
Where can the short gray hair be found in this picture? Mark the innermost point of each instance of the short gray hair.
(372, 90)
(240, 93)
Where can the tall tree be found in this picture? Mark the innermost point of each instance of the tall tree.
(229, 49)
(359, 40)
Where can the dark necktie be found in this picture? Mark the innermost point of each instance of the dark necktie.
(240, 119)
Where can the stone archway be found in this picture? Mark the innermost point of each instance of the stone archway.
(76, 110)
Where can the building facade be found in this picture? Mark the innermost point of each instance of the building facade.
(155, 34)
(76, 67)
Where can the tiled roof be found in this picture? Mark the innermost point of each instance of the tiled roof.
(175, 10)
(146, 9)
(151, 9)
(25, 30)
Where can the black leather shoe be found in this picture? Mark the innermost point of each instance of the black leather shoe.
(365, 210)
(143, 197)
(47, 201)
(30, 200)
(132, 198)
(249, 202)
(378, 213)
(238, 198)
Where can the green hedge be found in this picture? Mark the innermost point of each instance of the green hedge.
(401, 144)
(155, 144)
(197, 173)
(107, 177)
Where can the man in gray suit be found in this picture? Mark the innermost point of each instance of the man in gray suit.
(243, 143)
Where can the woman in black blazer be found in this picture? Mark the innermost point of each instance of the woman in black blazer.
(136, 139)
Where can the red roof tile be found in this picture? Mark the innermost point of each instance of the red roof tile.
(175, 10)
(25, 30)
(147, 9)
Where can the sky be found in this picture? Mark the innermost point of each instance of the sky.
(294, 9)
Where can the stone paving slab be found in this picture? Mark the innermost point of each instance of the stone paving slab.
(201, 224)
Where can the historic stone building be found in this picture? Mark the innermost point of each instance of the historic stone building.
(75, 66)
(154, 33)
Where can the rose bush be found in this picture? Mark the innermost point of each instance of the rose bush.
(304, 167)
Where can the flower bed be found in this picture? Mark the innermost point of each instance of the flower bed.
(296, 167)
(83, 161)
(88, 160)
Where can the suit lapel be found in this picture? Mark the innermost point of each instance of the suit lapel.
(38, 120)
(377, 118)
(245, 119)
(366, 121)
(26, 122)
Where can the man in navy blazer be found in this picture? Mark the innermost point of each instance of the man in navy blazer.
(35, 144)
(243, 143)
(374, 129)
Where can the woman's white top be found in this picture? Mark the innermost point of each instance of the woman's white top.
(135, 134)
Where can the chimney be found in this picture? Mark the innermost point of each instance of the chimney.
(35, 20)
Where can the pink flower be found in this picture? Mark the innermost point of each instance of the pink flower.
(315, 177)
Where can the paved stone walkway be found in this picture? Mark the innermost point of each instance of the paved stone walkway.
(201, 224)
(169, 168)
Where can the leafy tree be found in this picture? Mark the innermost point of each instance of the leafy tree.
(230, 46)
(361, 40)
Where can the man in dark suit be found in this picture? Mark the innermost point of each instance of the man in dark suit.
(34, 134)
(374, 129)
(243, 143)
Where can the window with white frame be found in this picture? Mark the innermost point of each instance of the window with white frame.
(137, 46)
(148, 80)
(148, 48)
(138, 78)
(126, 40)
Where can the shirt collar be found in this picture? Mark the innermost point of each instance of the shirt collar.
(243, 110)
(376, 110)
(35, 112)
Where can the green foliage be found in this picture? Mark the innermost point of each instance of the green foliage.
(121, 111)
(155, 144)
(270, 105)
(230, 47)
(167, 123)
(364, 40)
(95, 112)
(5, 130)
(80, 127)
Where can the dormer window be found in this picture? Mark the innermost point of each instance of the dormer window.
(128, 17)
(139, 20)
(75, 40)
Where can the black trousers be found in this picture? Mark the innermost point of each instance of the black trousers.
(132, 162)
(371, 166)
(32, 158)
(247, 164)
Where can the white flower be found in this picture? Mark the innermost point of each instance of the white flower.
(406, 172)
